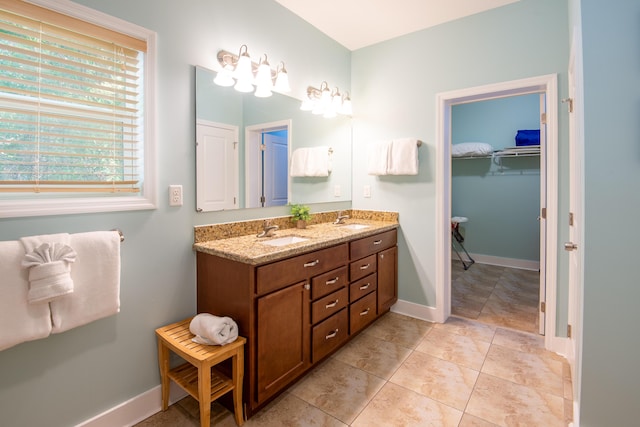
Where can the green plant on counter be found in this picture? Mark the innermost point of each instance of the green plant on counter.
(300, 213)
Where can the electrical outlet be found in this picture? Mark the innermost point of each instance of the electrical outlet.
(366, 192)
(175, 195)
(336, 191)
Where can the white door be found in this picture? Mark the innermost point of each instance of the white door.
(542, 215)
(216, 166)
(574, 245)
(276, 169)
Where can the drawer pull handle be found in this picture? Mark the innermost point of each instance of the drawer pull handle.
(377, 242)
(312, 263)
(332, 281)
(307, 286)
(364, 267)
(364, 313)
(331, 304)
(331, 335)
(363, 287)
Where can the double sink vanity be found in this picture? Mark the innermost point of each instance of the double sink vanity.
(299, 294)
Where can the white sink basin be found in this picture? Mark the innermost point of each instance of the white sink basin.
(283, 241)
(355, 226)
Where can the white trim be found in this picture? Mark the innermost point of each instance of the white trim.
(148, 198)
(523, 264)
(444, 101)
(135, 409)
(418, 311)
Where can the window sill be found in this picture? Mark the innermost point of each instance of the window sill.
(27, 208)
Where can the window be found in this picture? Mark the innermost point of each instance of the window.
(76, 111)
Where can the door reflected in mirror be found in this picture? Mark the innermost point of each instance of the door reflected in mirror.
(268, 131)
(267, 160)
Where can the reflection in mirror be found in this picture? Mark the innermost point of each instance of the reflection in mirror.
(268, 131)
(266, 164)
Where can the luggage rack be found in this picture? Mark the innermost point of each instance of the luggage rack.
(456, 242)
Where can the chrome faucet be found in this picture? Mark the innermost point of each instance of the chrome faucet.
(341, 218)
(267, 229)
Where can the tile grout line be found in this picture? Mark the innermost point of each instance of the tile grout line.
(484, 359)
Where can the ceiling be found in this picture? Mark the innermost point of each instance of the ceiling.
(359, 23)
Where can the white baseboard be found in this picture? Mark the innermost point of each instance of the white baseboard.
(418, 311)
(502, 262)
(135, 409)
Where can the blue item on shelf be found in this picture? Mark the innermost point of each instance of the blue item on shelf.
(528, 137)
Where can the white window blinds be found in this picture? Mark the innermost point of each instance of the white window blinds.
(70, 104)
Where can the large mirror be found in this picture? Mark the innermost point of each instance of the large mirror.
(266, 131)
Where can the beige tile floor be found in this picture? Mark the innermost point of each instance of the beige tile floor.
(499, 296)
(406, 372)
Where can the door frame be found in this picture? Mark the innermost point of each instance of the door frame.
(444, 101)
(253, 167)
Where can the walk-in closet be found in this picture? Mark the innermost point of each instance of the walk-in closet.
(497, 183)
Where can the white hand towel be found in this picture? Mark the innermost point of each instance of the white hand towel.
(213, 330)
(19, 320)
(96, 279)
(299, 161)
(49, 273)
(403, 157)
(317, 161)
(379, 158)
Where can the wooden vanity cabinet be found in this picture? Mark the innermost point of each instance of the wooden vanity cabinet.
(372, 295)
(282, 338)
(296, 311)
(387, 278)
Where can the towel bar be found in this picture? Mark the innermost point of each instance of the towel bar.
(120, 233)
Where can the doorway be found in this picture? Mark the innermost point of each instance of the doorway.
(497, 192)
(543, 84)
(267, 164)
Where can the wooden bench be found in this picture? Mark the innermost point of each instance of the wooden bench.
(198, 376)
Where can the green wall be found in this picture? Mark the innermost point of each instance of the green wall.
(611, 348)
(70, 377)
(523, 39)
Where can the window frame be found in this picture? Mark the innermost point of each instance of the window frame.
(26, 206)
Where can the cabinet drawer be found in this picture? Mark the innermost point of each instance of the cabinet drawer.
(372, 244)
(362, 312)
(328, 282)
(329, 305)
(362, 287)
(329, 335)
(279, 274)
(362, 267)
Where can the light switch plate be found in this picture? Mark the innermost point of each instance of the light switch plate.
(366, 192)
(337, 191)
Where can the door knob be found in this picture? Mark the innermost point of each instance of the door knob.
(570, 246)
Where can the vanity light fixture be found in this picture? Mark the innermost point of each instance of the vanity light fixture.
(241, 73)
(244, 71)
(328, 104)
(282, 79)
(264, 84)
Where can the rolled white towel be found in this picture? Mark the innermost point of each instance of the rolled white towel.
(213, 330)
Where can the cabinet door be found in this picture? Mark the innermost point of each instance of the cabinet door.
(283, 341)
(387, 279)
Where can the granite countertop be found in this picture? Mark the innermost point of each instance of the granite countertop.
(251, 249)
